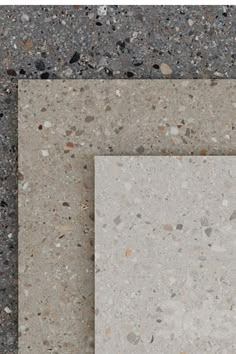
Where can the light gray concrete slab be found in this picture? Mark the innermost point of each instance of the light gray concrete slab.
(165, 254)
(63, 124)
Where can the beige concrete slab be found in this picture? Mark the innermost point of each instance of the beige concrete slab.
(62, 125)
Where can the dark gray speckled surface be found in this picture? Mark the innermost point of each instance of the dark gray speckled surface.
(93, 42)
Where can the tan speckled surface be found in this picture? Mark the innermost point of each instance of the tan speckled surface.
(62, 125)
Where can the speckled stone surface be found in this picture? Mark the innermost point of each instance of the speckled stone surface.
(94, 42)
(62, 126)
(165, 255)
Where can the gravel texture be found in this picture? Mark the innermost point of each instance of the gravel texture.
(94, 42)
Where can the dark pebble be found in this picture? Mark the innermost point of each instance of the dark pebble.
(11, 72)
(121, 45)
(44, 76)
(109, 72)
(75, 58)
(3, 204)
(137, 63)
(39, 64)
(140, 150)
(129, 74)
(22, 72)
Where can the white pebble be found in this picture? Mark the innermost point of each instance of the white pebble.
(102, 10)
(174, 131)
(45, 153)
(7, 310)
(68, 72)
(190, 22)
(91, 15)
(25, 18)
(217, 248)
(118, 93)
(47, 124)
(25, 186)
(225, 203)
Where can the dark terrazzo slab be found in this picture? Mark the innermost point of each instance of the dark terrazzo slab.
(91, 42)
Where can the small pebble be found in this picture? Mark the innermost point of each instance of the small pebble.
(40, 66)
(174, 131)
(190, 22)
(102, 11)
(179, 227)
(225, 203)
(233, 216)
(165, 69)
(47, 124)
(24, 18)
(118, 93)
(7, 310)
(45, 153)
(75, 58)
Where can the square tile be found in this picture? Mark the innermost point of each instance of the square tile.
(165, 254)
(62, 125)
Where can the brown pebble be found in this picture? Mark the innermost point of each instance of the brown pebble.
(108, 331)
(70, 145)
(161, 128)
(203, 152)
(128, 252)
(168, 227)
(79, 132)
(28, 44)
